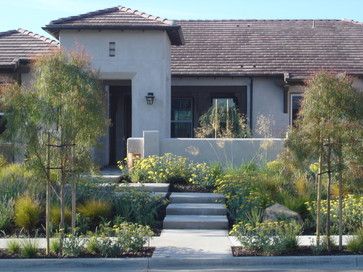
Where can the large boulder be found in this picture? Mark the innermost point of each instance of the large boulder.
(279, 212)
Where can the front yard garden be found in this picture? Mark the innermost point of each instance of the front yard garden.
(317, 180)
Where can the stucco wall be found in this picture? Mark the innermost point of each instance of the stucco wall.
(141, 56)
(227, 152)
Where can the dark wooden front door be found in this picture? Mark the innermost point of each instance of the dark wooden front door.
(120, 115)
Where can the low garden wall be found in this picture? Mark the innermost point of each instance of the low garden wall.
(225, 151)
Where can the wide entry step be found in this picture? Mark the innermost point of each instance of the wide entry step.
(196, 209)
(195, 222)
(196, 198)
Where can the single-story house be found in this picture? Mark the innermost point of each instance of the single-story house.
(162, 75)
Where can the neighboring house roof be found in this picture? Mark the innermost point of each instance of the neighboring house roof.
(268, 47)
(20, 44)
(117, 18)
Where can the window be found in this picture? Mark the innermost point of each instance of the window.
(224, 105)
(2, 123)
(112, 49)
(181, 118)
(296, 100)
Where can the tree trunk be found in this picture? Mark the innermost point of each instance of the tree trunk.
(340, 215)
(47, 198)
(74, 206)
(318, 201)
(328, 197)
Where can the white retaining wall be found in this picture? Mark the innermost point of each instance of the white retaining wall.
(228, 152)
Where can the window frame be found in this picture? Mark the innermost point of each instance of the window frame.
(112, 49)
(2, 114)
(292, 95)
(191, 122)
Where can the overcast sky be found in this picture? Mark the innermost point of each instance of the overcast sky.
(33, 14)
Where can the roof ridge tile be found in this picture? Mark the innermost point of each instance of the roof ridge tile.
(37, 36)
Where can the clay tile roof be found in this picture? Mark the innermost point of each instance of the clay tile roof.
(296, 48)
(117, 18)
(22, 44)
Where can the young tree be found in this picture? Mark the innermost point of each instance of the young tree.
(329, 130)
(57, 120)
(222, 121)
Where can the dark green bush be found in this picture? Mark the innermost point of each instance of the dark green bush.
(27, 213)
(138, 206)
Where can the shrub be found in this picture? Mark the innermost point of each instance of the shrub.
(6, 214)
(29, 249)
(352, 213)
(170, 168)
(95, 211)
(13, 247)
(131, 237)
(55, 214)
(102, 245)
(160, 169)
(269, 238)
(27, 213)
(246, 188)
(73, 245)
(356, 243)
(55, 246)
(138, 206)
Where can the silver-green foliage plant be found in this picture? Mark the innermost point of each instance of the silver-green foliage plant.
(222, 122)
(268, 238)
(6, 214)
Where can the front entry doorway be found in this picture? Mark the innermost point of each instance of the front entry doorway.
(120, 115)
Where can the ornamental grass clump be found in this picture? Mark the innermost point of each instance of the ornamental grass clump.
(95, 211)
(29, 249)
(355, 244)
(27, 213)
(269, 237)
(13, 247)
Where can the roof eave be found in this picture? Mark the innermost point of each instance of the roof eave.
(174, 31)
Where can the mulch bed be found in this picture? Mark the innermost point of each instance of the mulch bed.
(146, 252)
(301, 251)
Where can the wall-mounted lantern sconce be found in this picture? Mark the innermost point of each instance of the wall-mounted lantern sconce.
(150, 98)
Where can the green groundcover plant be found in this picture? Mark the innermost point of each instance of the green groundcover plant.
(268, 238)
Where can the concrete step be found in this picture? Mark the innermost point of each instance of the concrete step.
(150, 187)
(195, 222)
(196, 198)
(196, 209)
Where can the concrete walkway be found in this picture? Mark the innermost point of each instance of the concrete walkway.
(192, 244)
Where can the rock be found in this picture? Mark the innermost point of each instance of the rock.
(278, 212)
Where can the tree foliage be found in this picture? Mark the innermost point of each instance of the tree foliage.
(329, 129)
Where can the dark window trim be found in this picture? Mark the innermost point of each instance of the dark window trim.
(112, 49)
(192, 109)
(295, 94)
